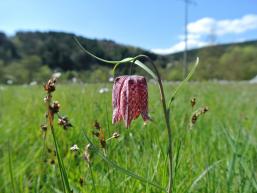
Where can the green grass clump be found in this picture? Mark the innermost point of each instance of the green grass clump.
(219, 154)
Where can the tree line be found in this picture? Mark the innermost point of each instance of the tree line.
(34, 56)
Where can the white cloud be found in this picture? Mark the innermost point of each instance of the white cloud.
(222, 27)
(202, 28)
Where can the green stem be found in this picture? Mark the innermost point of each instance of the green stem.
(59, 162)
(64, 177)
(166, 113)
(183, 82)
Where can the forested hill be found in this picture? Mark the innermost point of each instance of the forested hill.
(33, 56)
(59, 50)
(234, 61)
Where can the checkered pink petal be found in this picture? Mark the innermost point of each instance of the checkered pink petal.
(116, 92)
(129, 99)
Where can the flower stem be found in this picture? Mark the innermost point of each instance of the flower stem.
(166, 113)
(60, 163)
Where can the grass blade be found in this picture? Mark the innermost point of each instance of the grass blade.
(195, 182)
(92, 176)
(148, 70)
(10, 167)
(249, 173)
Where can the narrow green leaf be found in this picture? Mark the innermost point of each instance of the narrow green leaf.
(148, 70)
(96, 57)
(183, 82)
(195, 182)
(137, 62)
(156, 165)
(118, 62)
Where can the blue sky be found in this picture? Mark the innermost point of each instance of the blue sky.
(154, 25)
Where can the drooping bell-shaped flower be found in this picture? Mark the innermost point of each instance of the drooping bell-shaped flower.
(129, 99)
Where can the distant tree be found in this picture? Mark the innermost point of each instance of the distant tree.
(239, 63)
(7, 49)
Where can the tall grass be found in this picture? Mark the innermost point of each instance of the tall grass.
(219, 154)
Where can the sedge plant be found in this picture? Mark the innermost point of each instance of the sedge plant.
(52, 111)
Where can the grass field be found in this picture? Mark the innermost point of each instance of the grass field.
(219, 154)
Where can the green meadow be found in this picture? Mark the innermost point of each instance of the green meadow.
(218, 154)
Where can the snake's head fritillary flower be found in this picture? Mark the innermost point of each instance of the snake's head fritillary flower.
(129, 99)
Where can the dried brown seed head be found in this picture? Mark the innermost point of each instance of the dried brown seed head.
(52, 162)
(81, 181)
(87, 153)
(198, 113)
(97, 125)
(194, 119)
(193, 102)
(50, 85)
(205, 109)
(47, 98)
(99, 133)
(64, 122)
(43, 127)
(116, 135)
(103, 143)
(55, 107)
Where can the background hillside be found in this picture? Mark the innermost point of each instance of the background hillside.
(33, 56)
